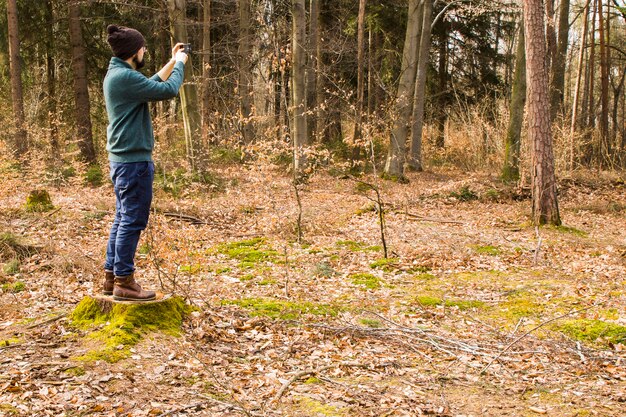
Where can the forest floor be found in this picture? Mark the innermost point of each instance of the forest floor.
(474, 312)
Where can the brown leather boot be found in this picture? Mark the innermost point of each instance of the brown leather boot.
(109, 279)
(127, 289)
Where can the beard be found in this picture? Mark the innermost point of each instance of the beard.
(139, 64)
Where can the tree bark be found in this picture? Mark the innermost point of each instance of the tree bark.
(20, 138)
(550, 33)
(557, 84)
(415, 159)
(545, 208)
(206, 70)
(81, 85)
(581, 56)
(245, 83)
(605, 144)
(591, 112)
(360, 90)
(441, 115)
(53, 131)
(300, 140)
(196, 154)
(402, 108)
(312, 69)
(510, 171)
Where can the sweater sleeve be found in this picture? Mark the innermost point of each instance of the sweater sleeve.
(140, 88)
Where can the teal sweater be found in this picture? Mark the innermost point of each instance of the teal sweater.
(127, 93)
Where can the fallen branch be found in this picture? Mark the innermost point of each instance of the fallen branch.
(536, 328)
(50, 320)
(184, 218)
(307, 372)
(430, 219)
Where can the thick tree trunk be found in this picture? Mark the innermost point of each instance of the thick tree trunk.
(81, 87)
(245, 85)
(510, 171)
(557, 82)
(543, 181)
(312, 67)
(402, 108)
(300, 140)
(206, 70)
(20, 138)
(415, 158)
(360, 90)
(196, 154)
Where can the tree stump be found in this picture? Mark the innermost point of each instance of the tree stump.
(114, 326)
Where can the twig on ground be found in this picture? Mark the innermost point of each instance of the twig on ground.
(430, 219)
(50, 320)
(482, 372)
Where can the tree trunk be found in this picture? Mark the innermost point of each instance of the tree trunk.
(510, 171)
(591, 112)
(550, 33)
(402, 108)
(196, 154)
(360, 90)
(441, 115)
(543, 182)
(300, 140)
(206, 71)
(20, 138)
(415, 159)
(81, 85)
(53, 130)
(605, 144)
(312, 67)
(245, 72)
(557, 84)
(581, 56)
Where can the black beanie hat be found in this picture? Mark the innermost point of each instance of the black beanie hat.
(125, 42)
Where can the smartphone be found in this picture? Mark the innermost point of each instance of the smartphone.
(187, 48)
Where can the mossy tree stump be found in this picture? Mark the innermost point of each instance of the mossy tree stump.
(116, 326)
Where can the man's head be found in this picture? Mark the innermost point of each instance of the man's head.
(126, 44)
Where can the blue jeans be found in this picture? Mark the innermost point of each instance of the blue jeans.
(132, 183)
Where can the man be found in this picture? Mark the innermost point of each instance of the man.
(130, 141)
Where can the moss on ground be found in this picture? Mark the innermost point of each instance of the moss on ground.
(570, 230)
(487, 250)
(368, 281)
(124, 324)
(39, 201)
(430, 301)
(592, 331)
(314, 407)
(12, 267)
(249, 252)
(373, 323)
(354, 246)
(284, 310)
(386, 264)
(13, 287)
(9, 342)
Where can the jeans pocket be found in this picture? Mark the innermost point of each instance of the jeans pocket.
(144, 169)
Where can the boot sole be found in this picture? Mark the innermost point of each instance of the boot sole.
(107, 293)
(137, 300)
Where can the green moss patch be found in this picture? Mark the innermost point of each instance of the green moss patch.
(39, 201)
(249, 252)
(122, 325)
(9, 342)
(353, 246)
(430, 301)
(570, 230)
(12, 247)
(12, 267)
(281, 309)
(315, 408)
(94, 176)
(588, 330)
(368, 281)
(13, 287)
(386, 264)
(486, 250)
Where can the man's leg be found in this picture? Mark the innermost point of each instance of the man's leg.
(134, 189)
(109, 276)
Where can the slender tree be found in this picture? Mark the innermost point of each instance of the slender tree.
(360, 96)
(403, 104)
(581, 56)
(206, 69)
(300, 140)
(605, 143)
(245, 72)
(543, 182)
(557, 81)
(312, 69)
(196, 154)
(20, 145)
(53, 130)
(415, 159)
(82, 108)
(510, 171)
